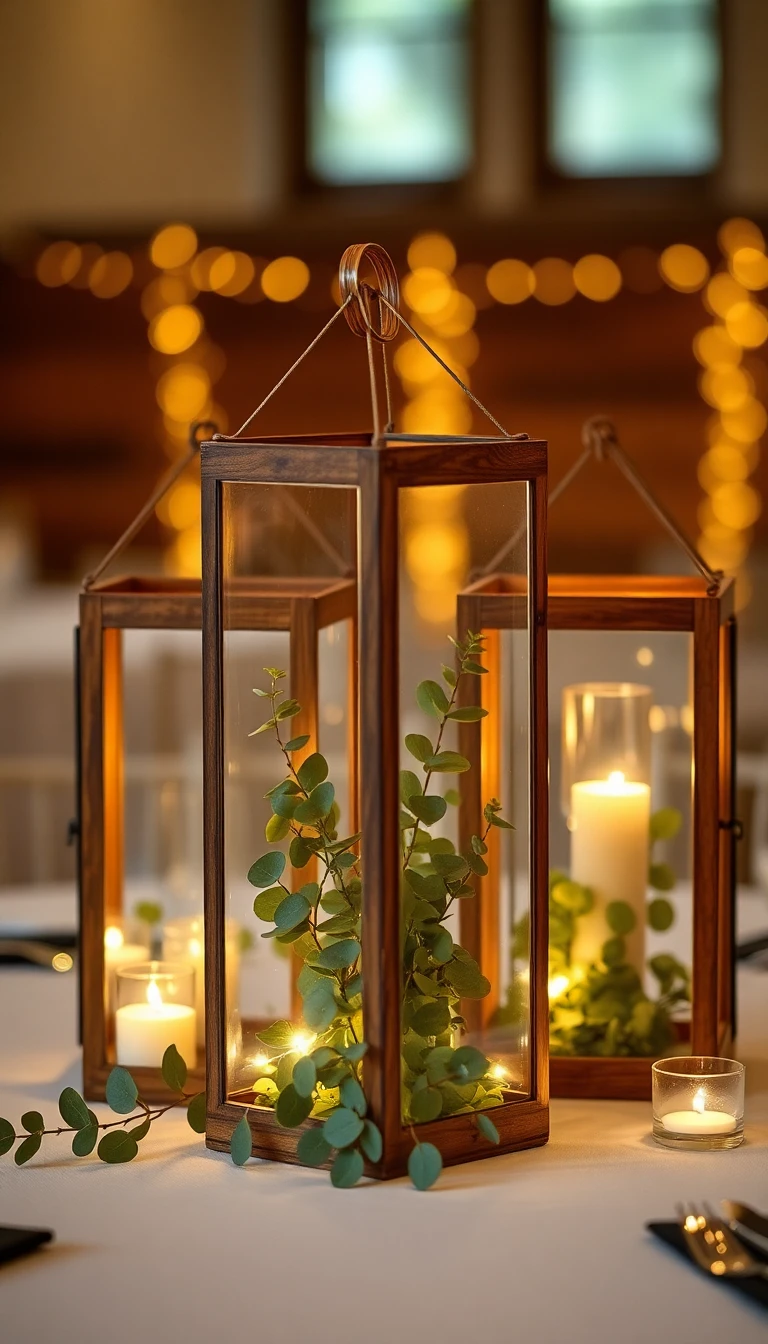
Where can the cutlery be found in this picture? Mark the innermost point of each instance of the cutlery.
(747, 1222)
(714, 1247)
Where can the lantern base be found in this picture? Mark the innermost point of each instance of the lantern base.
(619, 1078)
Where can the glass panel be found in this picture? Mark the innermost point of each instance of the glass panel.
(289, 606)
(388, 90)
(634, 87)
(152, 802)
(620, 844)
(466, 878)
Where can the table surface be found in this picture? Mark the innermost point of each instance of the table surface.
(548, 1244)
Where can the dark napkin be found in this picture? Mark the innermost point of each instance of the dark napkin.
(672, 1234)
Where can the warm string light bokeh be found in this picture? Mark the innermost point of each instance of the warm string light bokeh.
(442, 299)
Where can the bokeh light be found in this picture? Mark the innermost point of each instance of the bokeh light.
(175, 329)
(231, 274)
(183, 391)
(57, 264)
(714, 347)
(510, 281)
(684, 268)
(427, 290)
(597, 277)
(747, 424)
(164, 291)
(736, 504)
(110, 275)
(89, 255)
(723, 293)
(174, 245)
(554, 283)
(432, 250)
(736, 233)
(750, 267)
(747, 323)
(285, 279)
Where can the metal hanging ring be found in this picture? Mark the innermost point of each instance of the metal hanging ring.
(196, 435)
(366, 316)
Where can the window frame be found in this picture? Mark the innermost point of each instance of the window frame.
(348, 195)
(659, 184)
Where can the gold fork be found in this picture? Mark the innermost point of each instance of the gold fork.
(715, 1247)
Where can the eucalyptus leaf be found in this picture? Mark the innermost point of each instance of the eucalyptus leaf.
(614, 951)
(320, 1006)
(473, 1060)
(419, 746)
(313, 1148)
(441, 950)
(266, 903)
(280, 1035)
(428, 809)
(289, 710)
(339, 956)
(241, 1143)
(296, 743)
(665, 823)
(266, 870)
(447, 762)
(343, 1127)
(118, 1145)
(174, 1069)
(300, 852)
(353, 1096)
(27, 1149)
(141, 1131)
(426, 1105)
(431, 698)
(149, 912)
(661, 914)
(276, 829)
(196, 1113)
(292, 1109)
(354, 1052)
(84, 1141)
(467, 979)
(661, 876)
(371, 1141)
(424, 1165)
(468, 714)
(312, 772)
(73, 1110)
(121, 1091)
(291, 911)
(7, 1136)
(620, 917)
(432, 1018)
(305, 1076)
(32, 1121)
(410, 787)
(316, 806)
(487, 1128)
(348, 1167)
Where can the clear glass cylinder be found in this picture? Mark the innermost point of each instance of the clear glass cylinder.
(698, 1102)
(606, 732)
(183, 941)
(155, 1009)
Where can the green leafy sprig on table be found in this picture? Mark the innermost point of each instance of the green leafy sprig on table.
(322, 921)
(606, 1012)
(120, 1138)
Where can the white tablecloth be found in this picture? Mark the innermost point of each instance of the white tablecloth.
(546, 1246)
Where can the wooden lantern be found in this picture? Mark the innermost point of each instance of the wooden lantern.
(375, 474)
(702, 608)
(108, 608)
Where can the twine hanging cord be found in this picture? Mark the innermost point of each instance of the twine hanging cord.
(200, 430)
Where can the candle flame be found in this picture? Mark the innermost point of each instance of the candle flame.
(195, 947)
(154, 997)
(699, 1101)
(616, 779)
(113, 938)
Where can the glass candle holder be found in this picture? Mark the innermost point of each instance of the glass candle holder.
(183, 940)
(606, 735)
(155, 1009)
(698, 1102)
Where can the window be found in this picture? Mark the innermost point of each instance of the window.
(388, 96)
(633, 87)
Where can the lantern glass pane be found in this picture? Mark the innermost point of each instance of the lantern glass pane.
(621, 737)
(467, 963)
(288, 605)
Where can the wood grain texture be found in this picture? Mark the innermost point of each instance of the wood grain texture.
(706, 827)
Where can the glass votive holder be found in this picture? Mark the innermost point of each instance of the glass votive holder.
(155, 1009)
(183, 940)
(698, 1102)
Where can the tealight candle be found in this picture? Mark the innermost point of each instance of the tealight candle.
(698, 1102)
(154, 1011)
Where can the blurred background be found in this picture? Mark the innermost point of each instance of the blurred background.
(575, 193)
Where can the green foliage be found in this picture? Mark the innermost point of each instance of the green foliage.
(661, 915)
(174, 1069)
(33, 1122)
(347, 1168)
(424, 1165)
(7, 1136)
(84, 1141)
(73, 1110)
(488, 1129)
(241, 1143)
(665, 824)
(313, 1148)
(27, 1149)
(620, 917)
(149, 912)
(122, 1092)
(119, 1145)
(196, 1113)
(661, 876)
(267, 870)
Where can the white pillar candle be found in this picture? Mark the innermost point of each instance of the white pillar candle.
(699, 1120)
(144, 1031)
(609, 823)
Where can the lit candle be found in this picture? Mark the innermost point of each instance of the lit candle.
(145, 1030)
(118, 953)
(609, 822)
(699, 1120)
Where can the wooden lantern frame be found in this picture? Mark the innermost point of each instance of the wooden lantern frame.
(377, 468)
(702, 606)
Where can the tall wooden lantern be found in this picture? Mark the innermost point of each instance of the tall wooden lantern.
(386, 1054)
(142, 983)
(643, 828)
